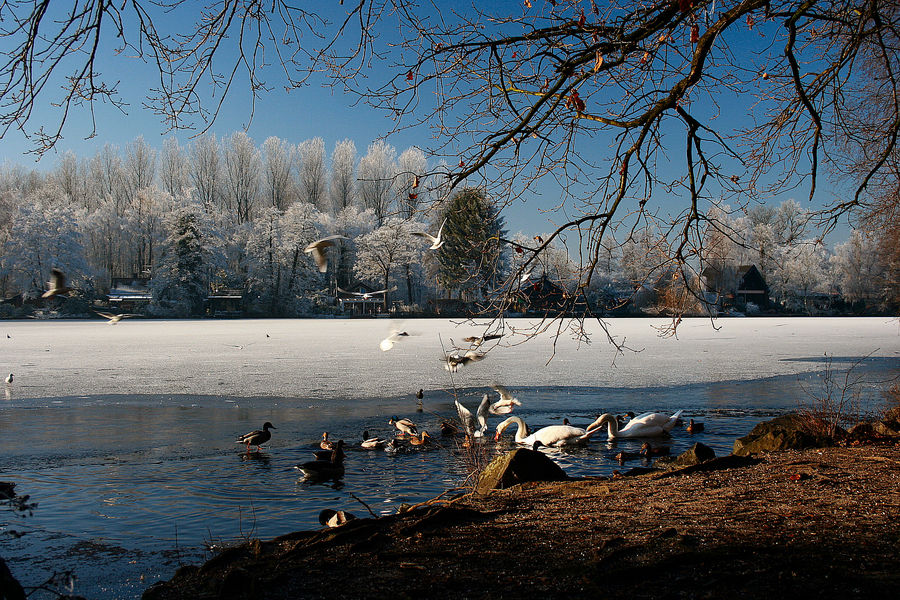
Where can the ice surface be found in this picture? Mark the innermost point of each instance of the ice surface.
(340, 358)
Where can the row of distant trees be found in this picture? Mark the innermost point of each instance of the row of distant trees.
(227, 214)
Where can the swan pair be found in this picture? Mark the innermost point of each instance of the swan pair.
(645, 425)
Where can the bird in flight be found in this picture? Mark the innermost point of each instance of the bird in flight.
(57, 284)
(388, 342)
(477, 341)
(113, 319)
(455, 361)
(506, 403)
(318, 247)
(436, 242)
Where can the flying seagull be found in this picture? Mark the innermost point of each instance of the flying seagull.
(57, 284)
(436, 242)
(388, 342)
(318, 247)
(506, 403)
(113, 319)
(474, 425)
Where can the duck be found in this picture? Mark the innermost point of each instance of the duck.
(506, 403)
(475, 426)
(648, 450)
(692, 426)
(419, 395)
(404, 425)
(448, 429)
(10, 378)
(257, 437)
(335, 518)
(623, 456)
(371, 443)
(645, 425)
(326, 444)
(551, 436)
(322, 470)
(421, 439)
(326, 454)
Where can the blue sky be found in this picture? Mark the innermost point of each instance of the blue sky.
(317, 110)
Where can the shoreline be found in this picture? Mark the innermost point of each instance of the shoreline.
(823, 521)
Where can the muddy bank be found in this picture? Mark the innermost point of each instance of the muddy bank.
(816, 522)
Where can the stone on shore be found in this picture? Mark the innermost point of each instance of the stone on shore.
(695, 455)
(518, 466)
(787, 432)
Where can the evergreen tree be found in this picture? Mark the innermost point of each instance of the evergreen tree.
(179, 284)
(471, 260)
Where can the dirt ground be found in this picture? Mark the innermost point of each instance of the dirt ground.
(823, 523)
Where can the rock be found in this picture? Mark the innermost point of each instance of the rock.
(697, 454)
(892, 415)
(518, 466)
(788, 432)
(886, 428)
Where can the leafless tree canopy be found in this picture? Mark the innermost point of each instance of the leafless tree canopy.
(620, 102)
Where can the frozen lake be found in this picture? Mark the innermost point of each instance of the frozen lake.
(124, 434)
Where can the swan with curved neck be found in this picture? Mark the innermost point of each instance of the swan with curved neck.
(645, 425)
(552, 435)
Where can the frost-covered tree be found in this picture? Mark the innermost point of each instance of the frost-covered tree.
(180, 283)
(243, 166)
(206, 171)
(311, 176)
(857, 268)
(410, 181)
(643, 258)
(351, 222)
(801, 271)
(299, 226)
(45, 234)
(381, 251)
(278, 161)
(376, 179)
(173, 168)
(343, 176)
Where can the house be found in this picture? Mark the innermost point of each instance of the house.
(129, 294)
(225, 303)
(751, 287)
(361, 300)
(540, 295)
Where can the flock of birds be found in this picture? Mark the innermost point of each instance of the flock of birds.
(329, 455)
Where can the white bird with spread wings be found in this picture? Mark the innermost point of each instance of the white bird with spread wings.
(436, 242)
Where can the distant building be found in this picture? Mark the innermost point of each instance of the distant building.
(751, 287)
(361, 300)
(129, 294)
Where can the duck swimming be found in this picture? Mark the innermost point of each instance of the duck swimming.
(257, 437)
(322, 470)
(371, 443)
(692, 427)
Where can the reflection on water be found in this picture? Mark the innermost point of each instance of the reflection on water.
(141, 485)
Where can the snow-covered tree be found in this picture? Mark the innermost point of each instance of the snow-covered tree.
(343, 176)
(45, 235)
(381, 251)
(801, 272)
(180, 281)
(376, 179)
(206, 171)
(410, 181)
(278, 160)
(173, 168)
(856, 267)
(311, 177)
(243, 166)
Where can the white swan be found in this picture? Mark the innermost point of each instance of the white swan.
(552, 435)
(475, 426)
(645, 425)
